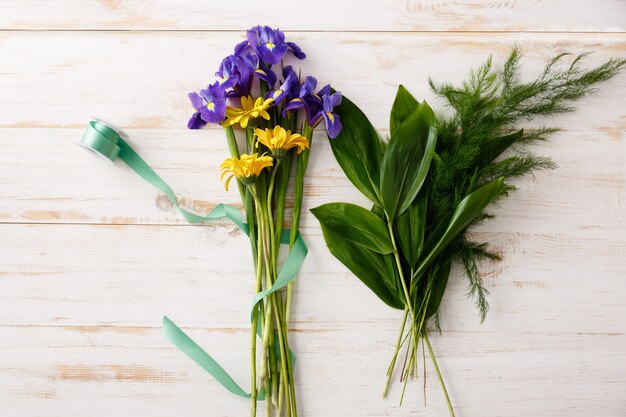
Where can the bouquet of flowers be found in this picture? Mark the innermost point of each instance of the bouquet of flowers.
(277, 111)
(432, 180)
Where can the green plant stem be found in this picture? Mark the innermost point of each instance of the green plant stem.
(392, 365)
(255, 321)
(246, 198)
(302, 162)
(411, 355)
(276, 298)
(274, 380)
(272, 307)
(284, 352)
(281, 195)
(396, 255)
(408, 304)
(277, 310)
(281, 399)
(268, 311)
(286, 358)
(233, 148)
(434, 360)
(273, 248)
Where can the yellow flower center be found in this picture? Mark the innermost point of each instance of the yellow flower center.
(270, 46)
(211, 106)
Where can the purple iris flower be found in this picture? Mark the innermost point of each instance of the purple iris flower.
(227, 74)
(195, 122)
(265, 73)
(270, 44)
(305, 98)
(318, 106)
(242, 47)
(246, 64)
(333, 124)
(296, 51)
(210, 105)
(288, 89)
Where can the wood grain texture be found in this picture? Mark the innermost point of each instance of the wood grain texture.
(91, 256)
(132, 371)
(148, 75)
(324, 15)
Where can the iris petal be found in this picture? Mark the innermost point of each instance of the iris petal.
(195, 122)
(333, 124)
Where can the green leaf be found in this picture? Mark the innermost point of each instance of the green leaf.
(357, 150)
(407, 160)
(493, 148)
(439, 280)
(467, 210)
(370, 267)
(403, 106)
(355, 224)
(410, 227)
(378, 210)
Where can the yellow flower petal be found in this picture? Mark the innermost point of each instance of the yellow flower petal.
(246, 168)
(250, 109)
(279, 140)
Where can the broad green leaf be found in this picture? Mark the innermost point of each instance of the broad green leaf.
(370, 267)
(403, 106)
(378, 210)
(467, 210)
(493, 148)
(357, 150)
(439, 280)
(407, 160)
(355, 224)
(410, 227)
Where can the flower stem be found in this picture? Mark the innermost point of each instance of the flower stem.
(302, 161)
(284, 351)
(286, 371)
(255, 321)
(272, 305)
(267, 328)
(396, 255)
(233, 148)
(392, 365)
(270, 235)
(443, 385)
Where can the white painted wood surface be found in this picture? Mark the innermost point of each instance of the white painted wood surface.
(91, 257)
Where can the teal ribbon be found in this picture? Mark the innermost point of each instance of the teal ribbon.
(106, 142)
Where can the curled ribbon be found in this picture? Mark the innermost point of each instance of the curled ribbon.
(106, 142)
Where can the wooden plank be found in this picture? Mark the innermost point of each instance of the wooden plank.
(325, 15)
(95, 275)
(46, 178)
(141, 80)
(134, 371)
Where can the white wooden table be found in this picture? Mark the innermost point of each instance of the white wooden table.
(91, 257)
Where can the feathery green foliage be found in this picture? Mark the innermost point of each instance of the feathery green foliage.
(483, 138)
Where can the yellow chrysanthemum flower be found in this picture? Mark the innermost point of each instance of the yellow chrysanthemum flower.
(279, 140)
(250, 109)
(246, 168)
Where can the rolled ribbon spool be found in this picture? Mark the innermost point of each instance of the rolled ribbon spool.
(105, 140)
(102, 139)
